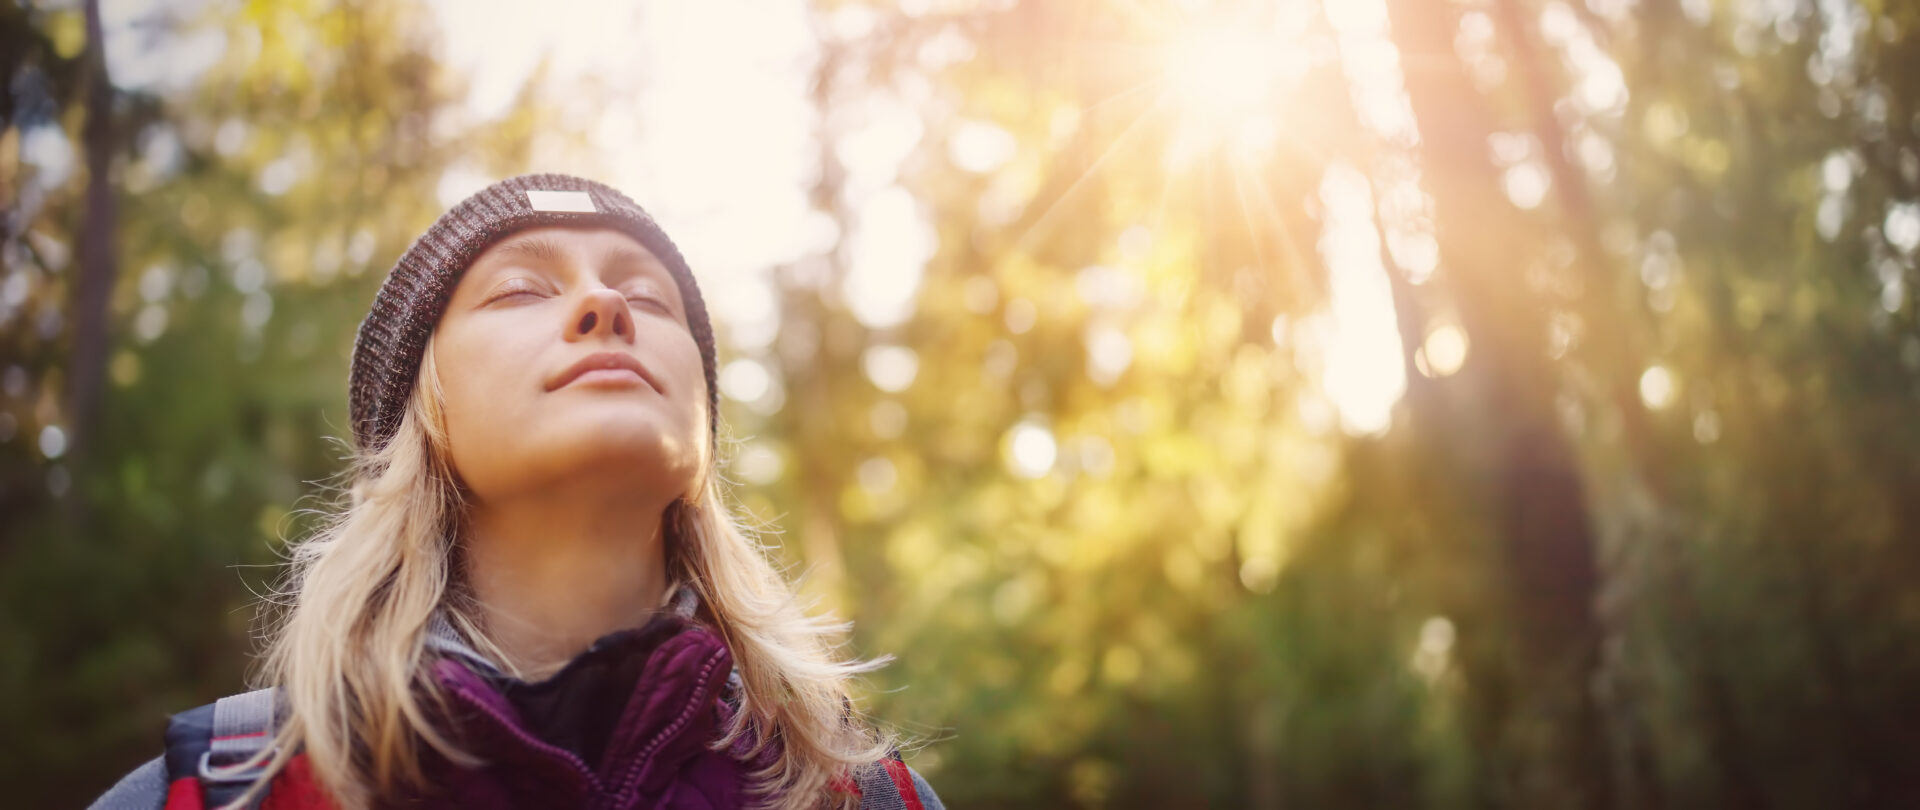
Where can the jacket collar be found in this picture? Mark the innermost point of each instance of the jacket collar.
(445, 639)
(669, 713)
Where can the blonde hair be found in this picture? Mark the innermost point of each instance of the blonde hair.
(347, 633)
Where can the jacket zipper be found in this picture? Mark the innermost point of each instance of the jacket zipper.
(630, 781)
(537, 744)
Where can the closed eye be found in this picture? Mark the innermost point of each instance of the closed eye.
(511, 294)
(647, 299)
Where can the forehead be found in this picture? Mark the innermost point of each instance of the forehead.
(564, 245)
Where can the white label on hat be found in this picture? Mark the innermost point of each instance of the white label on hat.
(574, 201)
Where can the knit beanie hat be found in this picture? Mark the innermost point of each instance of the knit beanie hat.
(387, 352)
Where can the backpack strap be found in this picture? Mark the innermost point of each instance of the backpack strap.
(890, 785)
(211, 745)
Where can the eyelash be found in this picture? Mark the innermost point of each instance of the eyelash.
(506, 294)
(650, 298)
(635, 298)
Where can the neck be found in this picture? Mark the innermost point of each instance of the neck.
(552, 575)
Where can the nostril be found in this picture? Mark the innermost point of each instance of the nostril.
(587, 322)
(620, 324)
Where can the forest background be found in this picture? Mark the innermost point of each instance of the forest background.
(1344, 404)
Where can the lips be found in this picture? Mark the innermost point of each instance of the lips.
(603, 361)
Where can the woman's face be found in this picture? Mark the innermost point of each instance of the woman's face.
(565, 358)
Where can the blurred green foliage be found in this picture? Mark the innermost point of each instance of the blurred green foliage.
(1640, 532)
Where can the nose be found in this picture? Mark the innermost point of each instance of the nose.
(601, 313)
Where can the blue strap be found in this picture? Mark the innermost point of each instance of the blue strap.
(143, 789)
(242, 728)
(879, 792)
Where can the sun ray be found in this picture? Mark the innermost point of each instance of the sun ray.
(1246, 214)
(1160, 208)
(1290, 248)
(1119, 94)
(1302, 148)
(1138, 13)
(1033, 230)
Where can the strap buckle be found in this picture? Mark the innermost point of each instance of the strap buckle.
(210, 772)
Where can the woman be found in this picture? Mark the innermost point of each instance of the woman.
(535, 597)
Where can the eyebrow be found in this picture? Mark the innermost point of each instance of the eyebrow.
(532, 248)
(543, 250)
(624, 255)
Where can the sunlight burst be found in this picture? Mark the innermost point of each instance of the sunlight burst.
(1224, 75)
(1228, 85)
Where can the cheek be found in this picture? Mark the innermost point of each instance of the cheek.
(472, 367)
(452, 357)
(692, 378)
(693, 406)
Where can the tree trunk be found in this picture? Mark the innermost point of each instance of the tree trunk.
(1535, 498)
(87, 368)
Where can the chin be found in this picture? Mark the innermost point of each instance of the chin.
(632, 444)
(607, 460)
(624, 448)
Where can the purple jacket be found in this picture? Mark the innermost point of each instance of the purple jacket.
(575, 740)
(630, 723)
